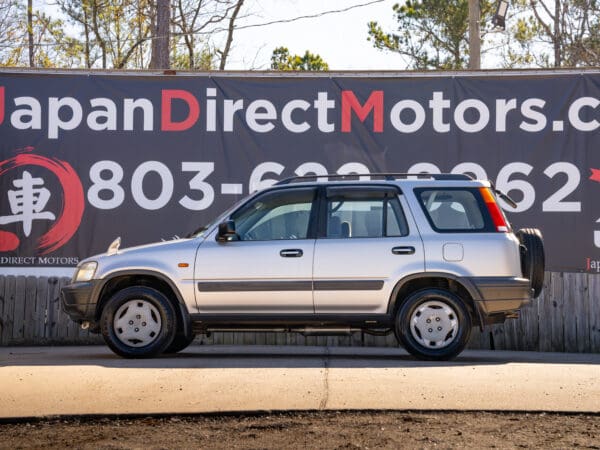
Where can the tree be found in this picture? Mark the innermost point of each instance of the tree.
(23, 30)
(30, 32)
(117, 32)
(557, 33)
(10, 19)
(160, 36)
(282, 60)
(431, 34)
(195, 22)
(230, 29)
(120, 34)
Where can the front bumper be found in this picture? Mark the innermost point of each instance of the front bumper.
(502, 295)
(78, 300)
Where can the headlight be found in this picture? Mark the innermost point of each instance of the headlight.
(85, 272)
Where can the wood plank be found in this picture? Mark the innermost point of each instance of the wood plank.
(556, 305)
(529, 324)
(238, 338)
(204, 339)
(227, 338)
(248, 338)
(290, 338)
(521, 329)
(544, 314)
(510, 336)
(3, 301)
(62, 320)
(321, 341)
(72, 329)
(568, 313)
(260, 338)
(310, 340)
(41, 301)
(29, 317)
(300, 340)
(390, 341)
(356, 339)
(508, 332)
(487, 338)
(19, 311)
(498, 337)
(475, 339)
(582, 313)
(217, 338)
(52, 309)
(281, 339)
(594, 311)
(270, 338)
(371, 341)
(517, 337)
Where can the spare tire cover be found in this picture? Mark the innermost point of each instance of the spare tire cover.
(533, 261)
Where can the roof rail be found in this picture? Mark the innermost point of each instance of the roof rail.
(387, 176)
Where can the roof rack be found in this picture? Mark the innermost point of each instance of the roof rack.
(385, 175)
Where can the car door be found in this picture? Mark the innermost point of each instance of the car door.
(267, 267)
(367, 243)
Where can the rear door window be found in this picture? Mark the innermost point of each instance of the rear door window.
(364, 213)
(454, 210)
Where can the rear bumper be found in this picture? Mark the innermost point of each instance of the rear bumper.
(501, 294)
(78, 300)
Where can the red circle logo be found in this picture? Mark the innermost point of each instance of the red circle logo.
(72, 206)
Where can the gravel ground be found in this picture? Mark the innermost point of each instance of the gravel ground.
(329, 430)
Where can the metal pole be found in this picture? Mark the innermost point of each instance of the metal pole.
(474, 35)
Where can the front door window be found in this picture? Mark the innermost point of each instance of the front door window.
(277, 215)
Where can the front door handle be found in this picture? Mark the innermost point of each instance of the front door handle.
(403, 250)
(291, 253)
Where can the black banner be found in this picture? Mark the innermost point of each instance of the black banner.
(86, 158)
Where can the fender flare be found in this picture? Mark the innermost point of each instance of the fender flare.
(463, 281)
(186, 320)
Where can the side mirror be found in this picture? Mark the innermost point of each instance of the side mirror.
(227, 232)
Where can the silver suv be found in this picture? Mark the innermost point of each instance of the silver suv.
(426, 257)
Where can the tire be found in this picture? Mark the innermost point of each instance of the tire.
(426, 341)
(138, 322)
(533, 260)
(179, 343)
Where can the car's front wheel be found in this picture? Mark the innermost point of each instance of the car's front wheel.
(433, 324)
(138, 322)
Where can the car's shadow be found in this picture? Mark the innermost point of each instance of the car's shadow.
(262, 356)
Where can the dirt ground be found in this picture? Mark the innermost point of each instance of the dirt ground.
(330, 430)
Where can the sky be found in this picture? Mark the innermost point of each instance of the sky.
(340, 39)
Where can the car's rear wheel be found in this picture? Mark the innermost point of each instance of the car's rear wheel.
(533, 260)
(138, 322)
(433, 324)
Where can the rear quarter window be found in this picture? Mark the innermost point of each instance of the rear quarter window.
(452, 210)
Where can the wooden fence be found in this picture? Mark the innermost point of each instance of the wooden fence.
(566, 318)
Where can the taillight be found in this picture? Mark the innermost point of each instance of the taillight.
(496, 213)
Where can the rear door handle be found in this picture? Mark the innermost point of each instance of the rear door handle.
(291, 253)
(403, 250)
